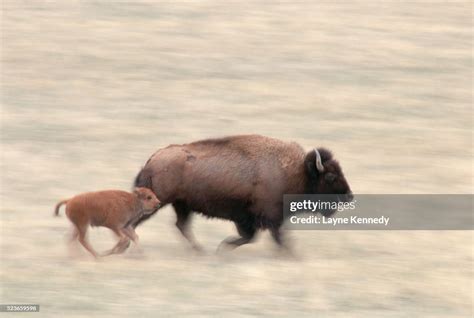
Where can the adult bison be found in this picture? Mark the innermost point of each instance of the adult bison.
(241, 179)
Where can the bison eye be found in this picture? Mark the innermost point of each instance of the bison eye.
(330, 177)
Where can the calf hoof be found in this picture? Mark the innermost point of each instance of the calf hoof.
(107, 253)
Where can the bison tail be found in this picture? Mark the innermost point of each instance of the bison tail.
(143, 180)
(58, 206)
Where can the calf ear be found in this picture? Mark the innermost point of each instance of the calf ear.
(135, 191)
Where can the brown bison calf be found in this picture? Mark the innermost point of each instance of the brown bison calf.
(115, 209)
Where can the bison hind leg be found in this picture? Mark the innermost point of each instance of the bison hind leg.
(246, 228)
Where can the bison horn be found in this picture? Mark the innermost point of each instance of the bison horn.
(319, 164)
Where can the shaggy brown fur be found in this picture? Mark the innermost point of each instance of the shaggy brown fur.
(113, 209)
(238, 178)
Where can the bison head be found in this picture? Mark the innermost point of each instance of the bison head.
(325, 176)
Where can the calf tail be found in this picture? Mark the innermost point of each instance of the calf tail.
(58, 206)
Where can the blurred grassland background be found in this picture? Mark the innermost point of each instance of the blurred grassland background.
(90, 89)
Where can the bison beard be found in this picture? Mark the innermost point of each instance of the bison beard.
(239, 178)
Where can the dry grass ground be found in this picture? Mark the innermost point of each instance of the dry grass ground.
(91, 88)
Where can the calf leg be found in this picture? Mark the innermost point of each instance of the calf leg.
(83, 240)
(130, 233)
(246, 229)
(121, 245)
(74, 235)
(72, 240)
(183, 214)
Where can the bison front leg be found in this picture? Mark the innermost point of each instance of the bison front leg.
(246, 229)
(183, 214)
(278, 237)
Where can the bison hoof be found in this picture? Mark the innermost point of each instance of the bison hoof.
(198, 249)
(223, 247)
(229, 244)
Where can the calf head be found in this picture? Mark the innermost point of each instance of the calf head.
(148, 200)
